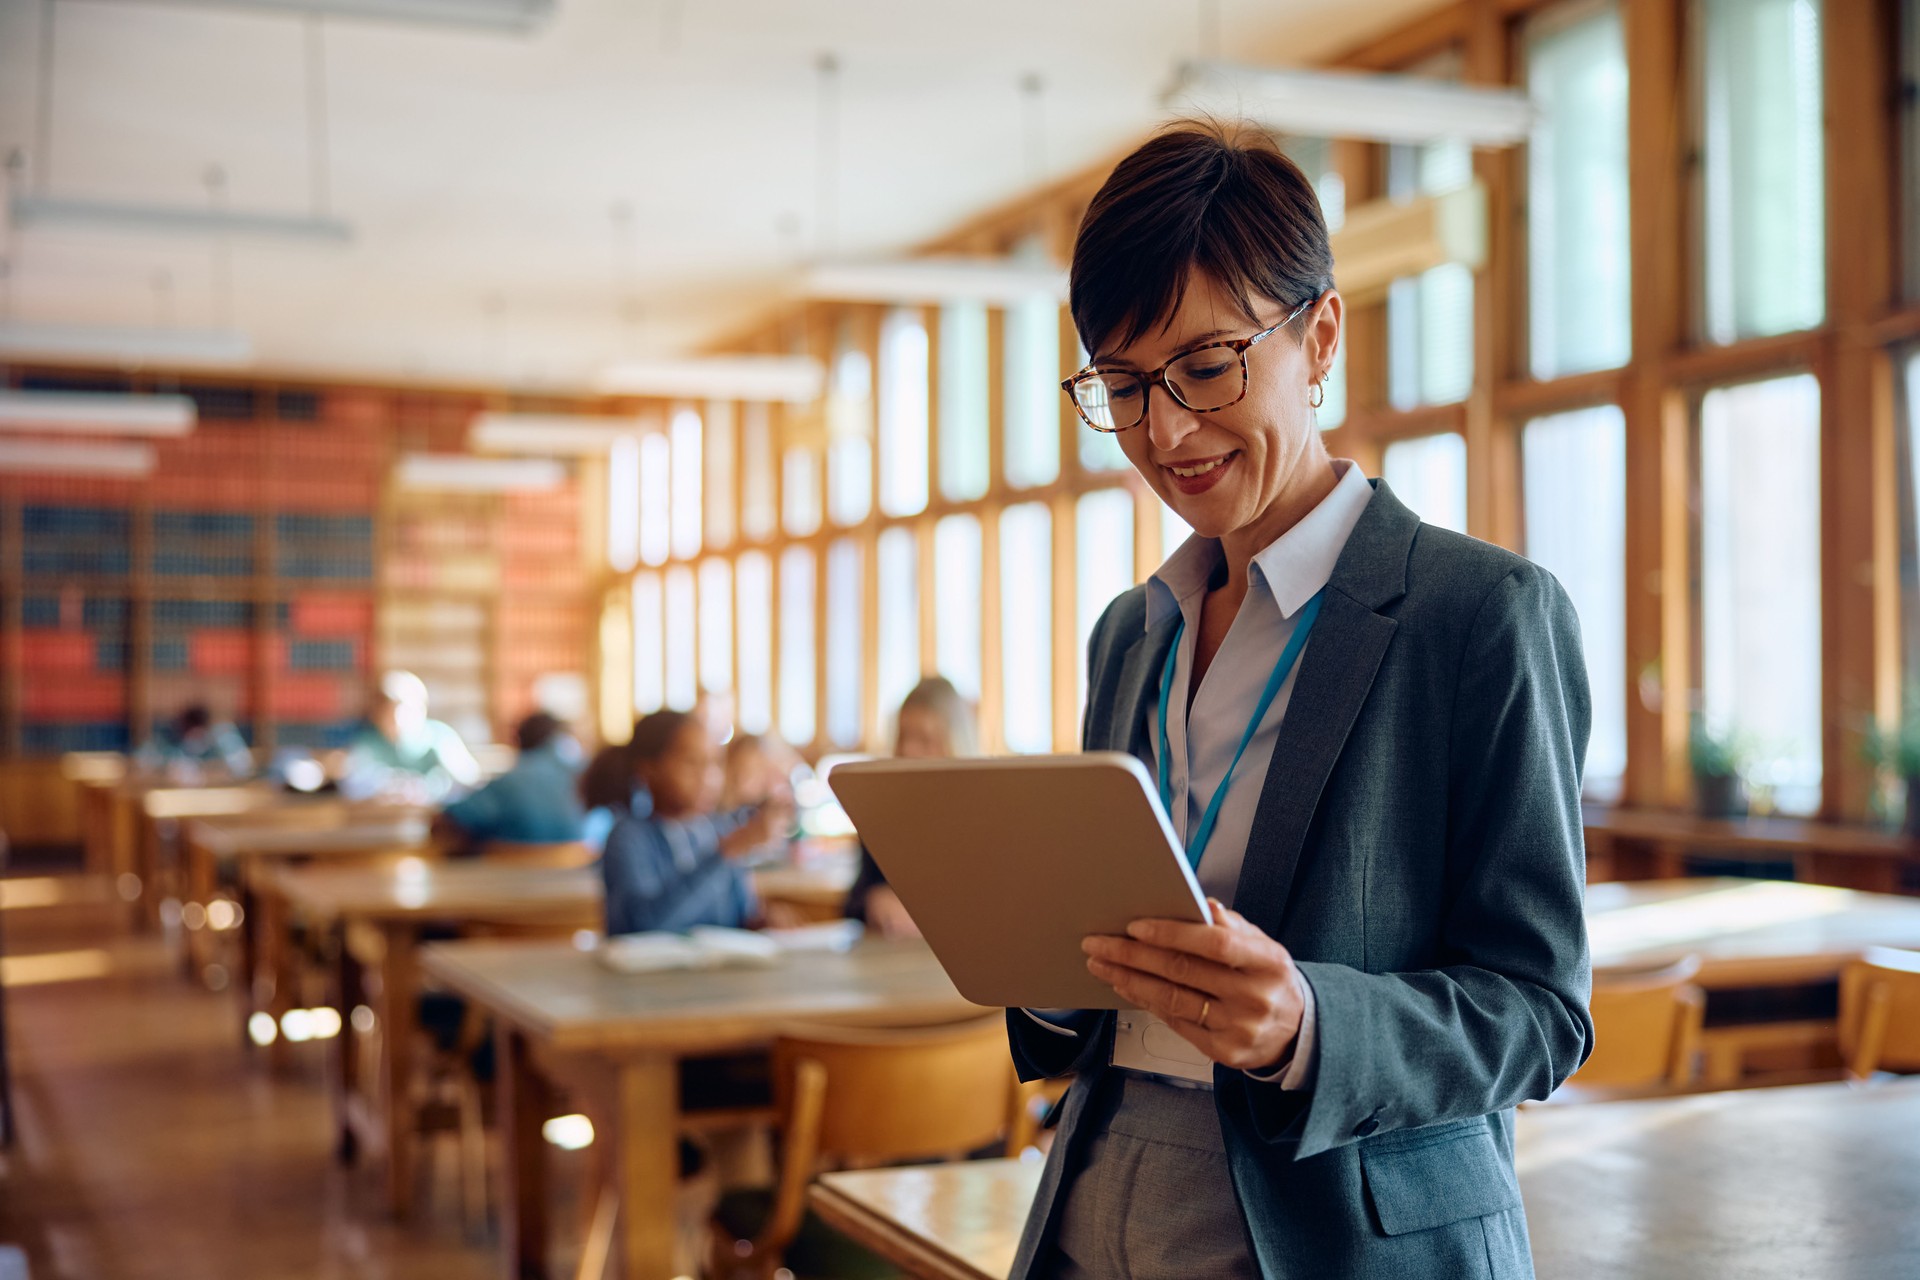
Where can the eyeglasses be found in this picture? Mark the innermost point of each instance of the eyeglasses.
(1204, 380)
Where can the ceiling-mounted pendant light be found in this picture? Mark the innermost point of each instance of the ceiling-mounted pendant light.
(463, 473)
(126, 348)
(96, 413)
(509, 17)
(741, 377)
(917, 281)
(549, 434)
(73, 458)
(1374, 106)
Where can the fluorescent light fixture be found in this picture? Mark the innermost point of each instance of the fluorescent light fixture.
(514, 17)
(460, 473)
(549, 434)
(204, 348)
(96, 413)
(1355, 104)
(39, 211)
(933, 280)
(73, 458)
(792, 378)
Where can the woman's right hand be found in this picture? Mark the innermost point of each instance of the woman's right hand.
(887, 916)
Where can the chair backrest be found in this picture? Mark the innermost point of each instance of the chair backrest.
(1880, 1012)
(517, 853)
(867, 1096)
(1646, 1027)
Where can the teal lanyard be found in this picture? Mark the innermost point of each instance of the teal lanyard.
(1197, 841)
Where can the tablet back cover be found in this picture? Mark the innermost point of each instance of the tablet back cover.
(1005, 864)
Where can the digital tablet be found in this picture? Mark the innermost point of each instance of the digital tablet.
(1007, 864)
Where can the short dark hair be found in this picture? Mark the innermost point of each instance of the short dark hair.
(191, 717)
(653, 734)
(607, 781)
(537, 730)
(1200, 195)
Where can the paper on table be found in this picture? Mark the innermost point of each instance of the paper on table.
(704, 947)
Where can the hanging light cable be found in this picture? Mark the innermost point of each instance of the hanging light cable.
(319, 158)
(826, 155)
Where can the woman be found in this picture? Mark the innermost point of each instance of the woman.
(935, 722)
(1368, 733)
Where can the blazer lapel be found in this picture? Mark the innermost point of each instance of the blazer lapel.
(1349, 641)
(1139, 690)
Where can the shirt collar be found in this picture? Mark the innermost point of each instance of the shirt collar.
(1293, 566)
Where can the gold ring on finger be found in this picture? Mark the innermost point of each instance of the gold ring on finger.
(1205, 1004)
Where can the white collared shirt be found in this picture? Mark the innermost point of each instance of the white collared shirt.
(1201, 739)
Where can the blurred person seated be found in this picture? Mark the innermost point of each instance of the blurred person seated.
(192, 747)
(935, 722)
(608, 792)
(402, 754)
(534, 802)
(675, 864)
(758, 769)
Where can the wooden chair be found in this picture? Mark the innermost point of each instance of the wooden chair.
(1647, 1029)
(864, 1097)
(516, 853)
(1880, 1012)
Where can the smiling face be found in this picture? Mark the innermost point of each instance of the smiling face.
(1230, 471)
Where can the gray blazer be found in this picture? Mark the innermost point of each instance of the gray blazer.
(1417, 847)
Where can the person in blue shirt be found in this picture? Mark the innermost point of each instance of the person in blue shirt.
(401, 752)
(673, 865)
(608, 791)
(193, 744)
(534, 802)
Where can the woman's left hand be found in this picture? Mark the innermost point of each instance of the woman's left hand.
(1226, 987)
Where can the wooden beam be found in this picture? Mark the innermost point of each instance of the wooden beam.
(1859, 493)
(1658, 598)
(1493, 446)
(1385, 240)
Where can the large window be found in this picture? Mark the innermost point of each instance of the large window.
(1760, 581)
(963, 401)
(844, 659)
(716, 624)
(656, 488)
(799, 681)
(649, 643)
(1103, 551)
(623, 504)
(850, 437)
(957, 579)
(899, 606)
(800, 491)
(758, 516)
(1575, 484)
(1763, 233)
(753, 588)
(683, 681)
(1429, 474)
(1033, 396)
(1577, 276)
(1429, 316)
(1026, 627)
(903, 413)
(719, 446)
(687, 508)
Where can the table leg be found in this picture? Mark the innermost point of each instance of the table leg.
(275, 968)
(123, 841)
(400, 1026)
(644, 1160)
(348, 1045)
(524, 1104)
(201, 883)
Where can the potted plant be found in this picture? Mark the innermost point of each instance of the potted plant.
(1719, 764)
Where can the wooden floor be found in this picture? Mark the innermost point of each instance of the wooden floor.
(151, 1146)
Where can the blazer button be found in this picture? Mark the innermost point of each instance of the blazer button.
(1365, 1127)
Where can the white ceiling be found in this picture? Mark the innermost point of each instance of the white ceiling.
(480, 171)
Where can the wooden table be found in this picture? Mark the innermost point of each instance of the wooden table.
(295, 829)
(559, 1014)
(1644, 844)
(1757, 1184)
(136, 808)
(379, 914)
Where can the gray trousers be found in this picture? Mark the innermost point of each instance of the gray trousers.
(1151, 1199)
